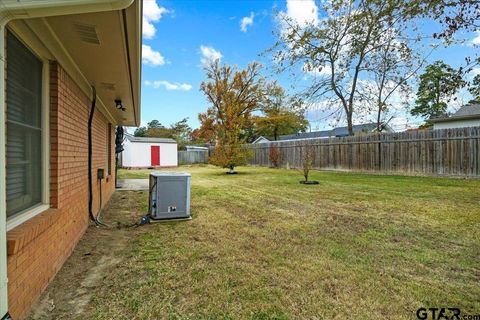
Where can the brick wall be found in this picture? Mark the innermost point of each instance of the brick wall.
(38, 248)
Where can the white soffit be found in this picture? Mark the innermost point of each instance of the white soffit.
(97, 43)
(97, 48)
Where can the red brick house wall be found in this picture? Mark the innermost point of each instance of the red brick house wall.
(38, 248)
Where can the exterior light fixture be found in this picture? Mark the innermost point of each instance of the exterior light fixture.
(119, 105)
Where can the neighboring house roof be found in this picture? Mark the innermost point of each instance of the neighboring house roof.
(149, 139)
(336, 132)
(469, 111)
(261, 139)
(96, 41)
(196, 148)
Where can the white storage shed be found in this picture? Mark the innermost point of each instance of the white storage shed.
(149, 152)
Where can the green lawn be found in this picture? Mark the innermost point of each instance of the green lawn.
(263, 246)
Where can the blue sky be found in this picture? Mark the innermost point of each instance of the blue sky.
(179, 35)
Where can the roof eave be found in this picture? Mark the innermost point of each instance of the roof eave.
(14, 9)
(469, 117)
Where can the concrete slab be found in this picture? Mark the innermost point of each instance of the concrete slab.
(132, 184)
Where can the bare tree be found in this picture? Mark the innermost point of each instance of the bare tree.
(391, 67)
(340, 47)
(454, 16)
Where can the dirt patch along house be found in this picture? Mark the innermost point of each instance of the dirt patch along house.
(71, 71)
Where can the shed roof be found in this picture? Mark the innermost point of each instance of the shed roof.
(149, 139)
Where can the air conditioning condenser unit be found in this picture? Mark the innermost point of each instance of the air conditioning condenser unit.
(169, 197)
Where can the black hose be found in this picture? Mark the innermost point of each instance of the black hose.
(90, 193)
(90, 182)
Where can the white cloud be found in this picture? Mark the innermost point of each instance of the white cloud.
(476, 39)
(246, 21)
(170, 86)
(152, 13)
(209, 54)
(151, 57)
(475, 71)
(302, 12)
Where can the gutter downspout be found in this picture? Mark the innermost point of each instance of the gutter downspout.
(90, 187)
(3, 203)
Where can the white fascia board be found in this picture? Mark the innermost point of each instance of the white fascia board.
(14, 9)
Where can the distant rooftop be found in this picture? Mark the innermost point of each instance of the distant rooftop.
(149, 139)
(336, 132)
(469, 111)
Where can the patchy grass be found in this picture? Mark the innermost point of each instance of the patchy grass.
(263, 246)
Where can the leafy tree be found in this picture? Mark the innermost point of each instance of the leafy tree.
(437, 85)
(247, 133)
(337, 48)
(474, 89)
(233, 95)
(148, 130)
(160, 132)
(154, 124)
(206, 131)
(179, 131)
(140, 132)
(281, 114)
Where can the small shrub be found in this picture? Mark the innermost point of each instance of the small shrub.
(308, 160)
(275, 156)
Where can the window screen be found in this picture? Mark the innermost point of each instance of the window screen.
(24, 127)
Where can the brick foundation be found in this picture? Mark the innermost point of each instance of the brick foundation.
(38, 248)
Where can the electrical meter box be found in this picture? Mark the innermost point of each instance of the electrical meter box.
(169, 197)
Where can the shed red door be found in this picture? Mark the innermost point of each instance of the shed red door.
(155, 156)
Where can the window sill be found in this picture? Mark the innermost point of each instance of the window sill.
(25, 215)
(22, 235)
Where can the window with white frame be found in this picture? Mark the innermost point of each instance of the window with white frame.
(24, 119)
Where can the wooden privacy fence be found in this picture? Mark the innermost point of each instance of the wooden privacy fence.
(192, 156)
(428, 152)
